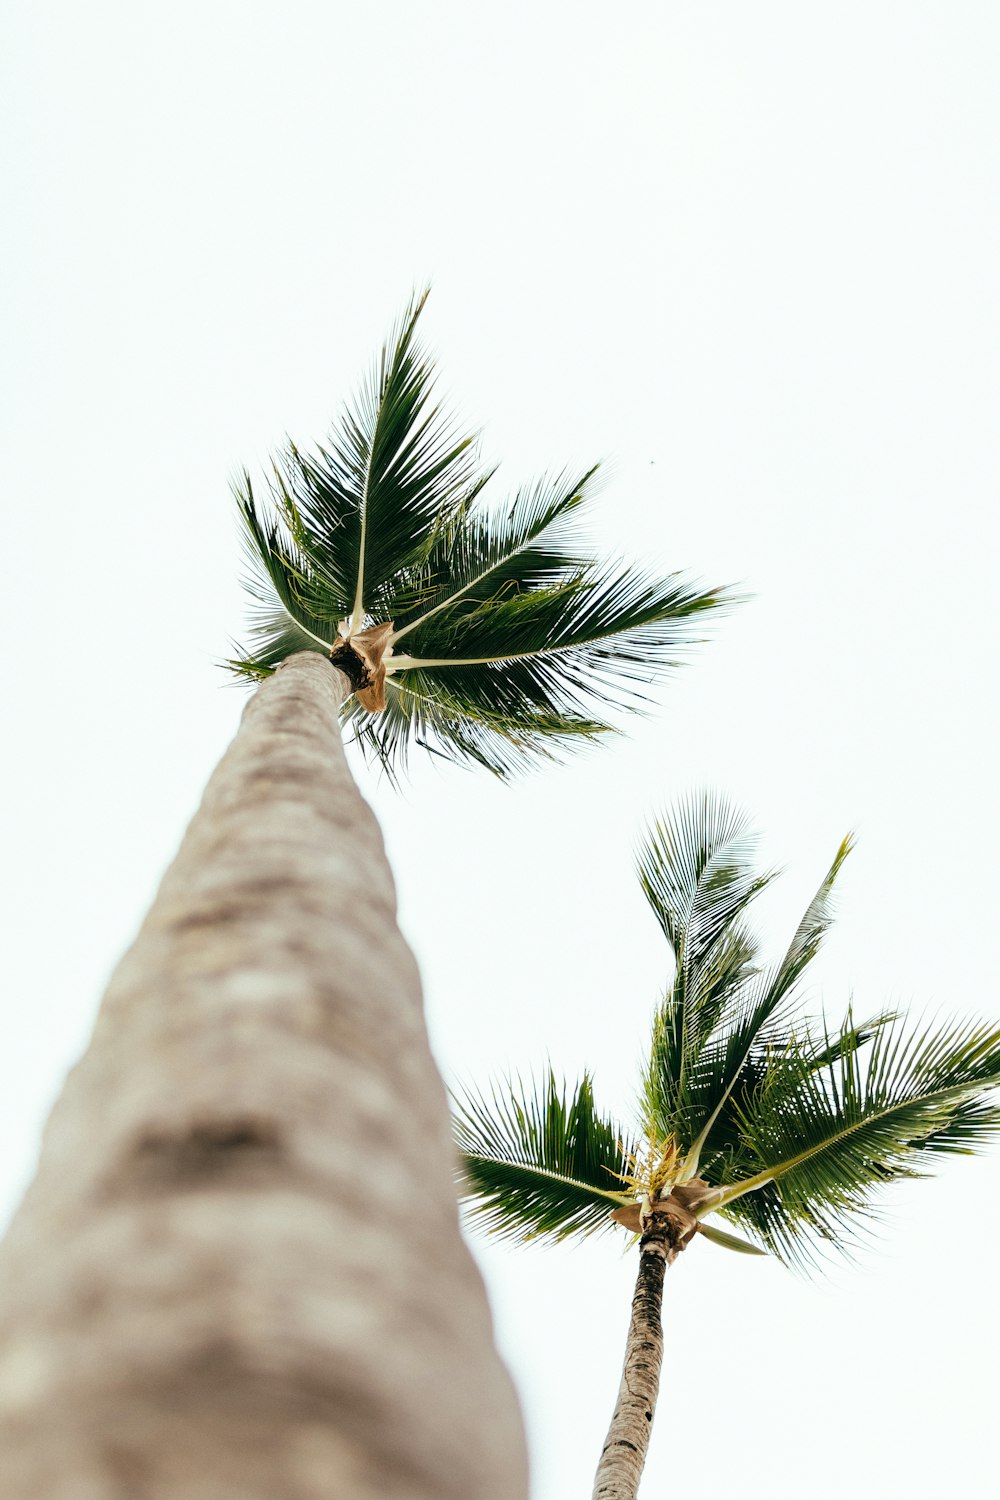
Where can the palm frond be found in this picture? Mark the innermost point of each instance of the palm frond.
(720, 1159)
(724, 1015)
(690, 1078)
(398, 462)
(761, 1216)
(503, 738)
(516, 708)
(367, 504)
(596, 628)
(538, 680)
(482, 555)
(280, 580)
(696, 869)
(719, 1237)
(812, 929)
(821, 1141)
(274, 638)
(539, 1163)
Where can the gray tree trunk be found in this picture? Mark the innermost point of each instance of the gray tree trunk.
(238, 1274)
(624, 1453)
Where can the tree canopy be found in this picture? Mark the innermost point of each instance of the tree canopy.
(748, 1107)
(492, 632)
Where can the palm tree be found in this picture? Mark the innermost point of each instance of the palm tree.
(785, 1129)
(239, 1271)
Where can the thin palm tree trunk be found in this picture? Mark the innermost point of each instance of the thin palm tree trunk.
(238, 1274)
(624, 1453)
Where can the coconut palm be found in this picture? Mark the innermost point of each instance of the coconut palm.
(222, 1282)
(515, 636)
(785, 1129)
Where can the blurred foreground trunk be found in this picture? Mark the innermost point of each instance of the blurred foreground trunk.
(238, 1274)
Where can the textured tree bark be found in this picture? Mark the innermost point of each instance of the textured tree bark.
(624, 1453)
(238, 1274)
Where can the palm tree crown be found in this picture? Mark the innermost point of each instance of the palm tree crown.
(783, 1126)
(477, 631)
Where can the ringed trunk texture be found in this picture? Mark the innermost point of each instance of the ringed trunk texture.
(238, 1274)
(624, 1453)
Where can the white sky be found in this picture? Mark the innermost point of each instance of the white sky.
(746, 253)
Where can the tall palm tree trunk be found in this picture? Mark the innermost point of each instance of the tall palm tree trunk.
(624, 1453)
(238, 1274)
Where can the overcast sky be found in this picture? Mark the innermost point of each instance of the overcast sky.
(745, 253)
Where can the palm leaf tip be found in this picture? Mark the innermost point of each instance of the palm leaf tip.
(814, 925)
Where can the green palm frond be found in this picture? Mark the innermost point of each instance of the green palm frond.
(502, 738)
(761, 1216)
(697, 871)
(281, 581)
(591, 628)
(507, 631)
(821, 1141)
(687, 1086)
(539, 1163)
(720, 1151)
(274, 638)
(481, 556)
(369, 503)
(516, 708)
(717, 1236)
(724, 1013)
(812, 929)
(393, 469)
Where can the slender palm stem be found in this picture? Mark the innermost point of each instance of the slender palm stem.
(623, 1456)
